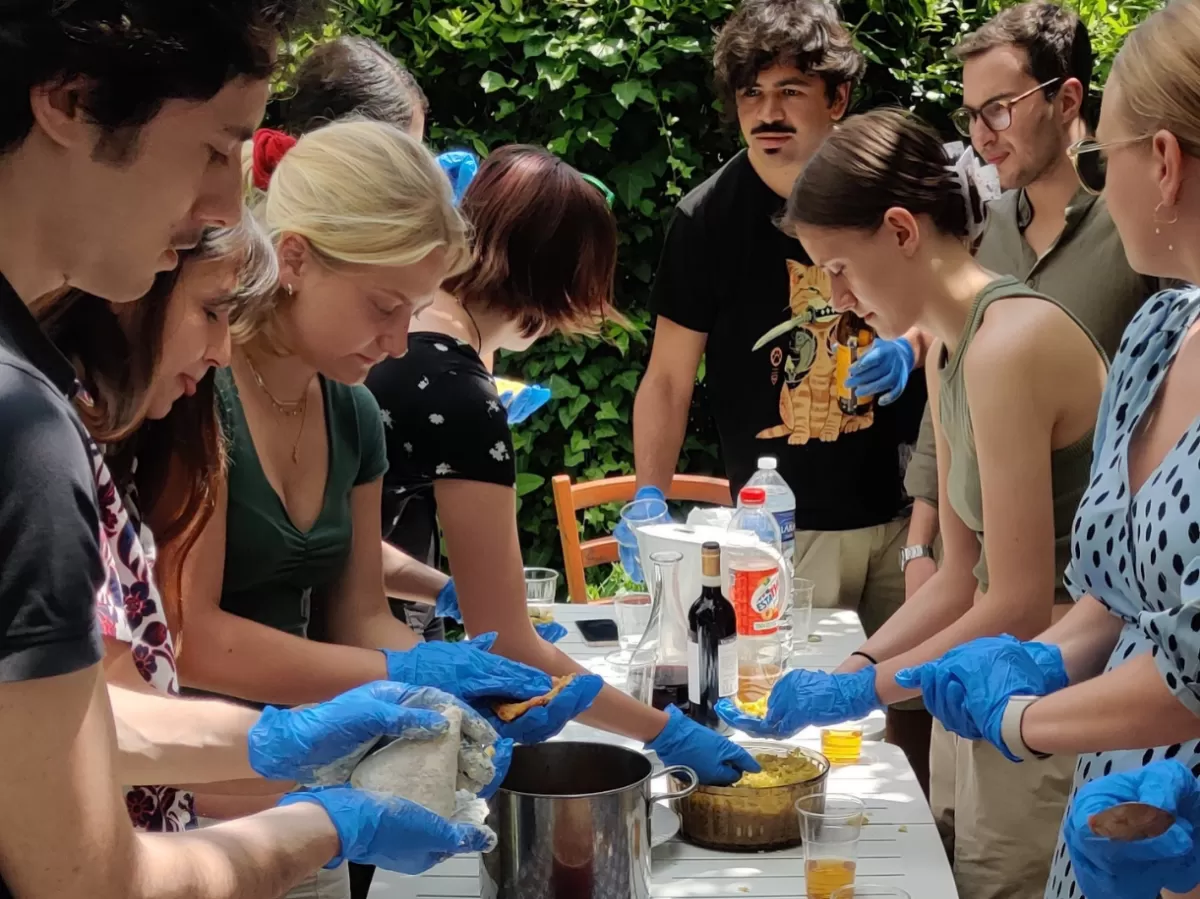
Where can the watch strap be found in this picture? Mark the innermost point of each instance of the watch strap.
(1010, 728)
(914, 552)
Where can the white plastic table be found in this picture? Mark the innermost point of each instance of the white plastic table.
(899, 847)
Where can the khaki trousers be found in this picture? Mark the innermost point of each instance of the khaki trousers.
(998, 820)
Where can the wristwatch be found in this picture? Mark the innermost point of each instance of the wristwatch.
(911, 553)
(1010, 728)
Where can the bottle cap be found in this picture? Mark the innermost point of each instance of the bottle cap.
(752, 496)
(768, 463)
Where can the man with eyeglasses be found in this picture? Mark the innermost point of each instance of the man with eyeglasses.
(1026, 75)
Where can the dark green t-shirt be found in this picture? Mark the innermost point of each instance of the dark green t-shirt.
(274, 572)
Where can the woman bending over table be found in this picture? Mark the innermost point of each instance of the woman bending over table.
(879, 209)
(543, 260)
(1121, 672)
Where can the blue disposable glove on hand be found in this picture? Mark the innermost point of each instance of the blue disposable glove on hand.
(525, 402)
(460, 167)
(391, 833)
(969, 687)
(1140, 869)
(803, 698)
(627, 544)
(551, 631)
(447, 602)
(715, 759)
(883, 370)
(295, 744)
(542, 722)
(468, 670)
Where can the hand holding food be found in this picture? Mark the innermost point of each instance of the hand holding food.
(715, 759)
(805, 697)
(302, 744)
(883, 370)
(392, 833)
(541, 717)
(969, 687)
(1121, 852)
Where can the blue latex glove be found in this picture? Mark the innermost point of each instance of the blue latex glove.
(968, 688)
(627, 544)
(525, 402)
(460, 167)
(1112, 869)
(883, 370)
(391, 833)
(805, 697)
(468, 670)
(551, 631)
(715, 759)
(294, 744)
(542, 722)
(447, 602)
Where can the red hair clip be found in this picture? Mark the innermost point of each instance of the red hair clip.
(269, 148)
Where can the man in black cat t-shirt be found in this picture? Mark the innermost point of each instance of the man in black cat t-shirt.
(728, 276)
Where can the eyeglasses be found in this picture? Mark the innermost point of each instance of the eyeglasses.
(1090, 163)
(997, 114)
(602, 187)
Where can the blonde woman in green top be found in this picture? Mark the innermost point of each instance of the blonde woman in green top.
(1014, 389)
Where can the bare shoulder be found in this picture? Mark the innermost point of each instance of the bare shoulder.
(1029, 338)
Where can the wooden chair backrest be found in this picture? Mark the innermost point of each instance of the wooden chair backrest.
(569, 498)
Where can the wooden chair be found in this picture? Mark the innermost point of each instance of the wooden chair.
(570, 498)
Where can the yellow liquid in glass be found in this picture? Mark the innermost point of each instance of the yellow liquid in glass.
(841, 745)
(823, 876)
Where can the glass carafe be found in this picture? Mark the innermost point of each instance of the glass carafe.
(665, 639)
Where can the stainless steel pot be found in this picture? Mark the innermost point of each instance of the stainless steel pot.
(573, 823)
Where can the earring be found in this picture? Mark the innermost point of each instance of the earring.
(1161, 221)
(289, 289)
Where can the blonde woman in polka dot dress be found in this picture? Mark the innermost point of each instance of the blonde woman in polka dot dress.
(1130, 649)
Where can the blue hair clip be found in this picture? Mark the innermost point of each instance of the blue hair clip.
(460, 167)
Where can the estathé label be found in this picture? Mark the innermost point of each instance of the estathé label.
(755, 594)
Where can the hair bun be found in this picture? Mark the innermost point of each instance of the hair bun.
(269, 148)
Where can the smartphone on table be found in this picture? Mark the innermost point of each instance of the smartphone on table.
(598, 631)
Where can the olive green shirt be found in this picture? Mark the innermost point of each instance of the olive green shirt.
(1085, 271)
(1070, 467)
(276, 573)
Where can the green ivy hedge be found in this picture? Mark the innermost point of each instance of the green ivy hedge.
(621, 89)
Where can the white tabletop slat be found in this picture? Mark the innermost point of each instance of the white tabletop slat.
(900, 845)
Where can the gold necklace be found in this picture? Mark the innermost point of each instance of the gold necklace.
(290, 409)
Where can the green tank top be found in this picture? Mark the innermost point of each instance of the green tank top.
(1070, 467)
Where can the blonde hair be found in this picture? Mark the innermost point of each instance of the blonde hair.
(360, 193)
(1159, 71)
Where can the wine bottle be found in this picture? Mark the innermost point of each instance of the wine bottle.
(712, 642)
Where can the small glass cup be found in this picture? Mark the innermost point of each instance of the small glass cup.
(634, 673)
(842, 743)
(541, 586)
(796, 623)
(831, 825)
(869, 891)
(637, 515)
(632, 613)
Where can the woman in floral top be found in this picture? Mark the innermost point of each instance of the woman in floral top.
(154, 418)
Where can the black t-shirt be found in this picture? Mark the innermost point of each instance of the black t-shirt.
(442, 419)
(50, 568)
(729, 272)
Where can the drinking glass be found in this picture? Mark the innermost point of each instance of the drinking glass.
(634, 673)
(842, 743)
(831, 825)
(541, 586)
(796, 623)
(869, 891)
(632, 613)
(640, 513)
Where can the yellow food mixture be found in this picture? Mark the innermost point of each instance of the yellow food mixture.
(757, 708)
(780, 770)
(540, 616)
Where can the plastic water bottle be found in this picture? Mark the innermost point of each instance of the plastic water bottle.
(781, 503)
(755, 587)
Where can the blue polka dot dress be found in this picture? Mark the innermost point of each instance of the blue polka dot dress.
(1139, 555)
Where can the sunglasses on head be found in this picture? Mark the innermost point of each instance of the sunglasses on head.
(1088, 157)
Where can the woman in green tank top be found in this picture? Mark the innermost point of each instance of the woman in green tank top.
(1015, 385)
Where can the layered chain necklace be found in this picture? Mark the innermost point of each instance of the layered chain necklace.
(290, 409)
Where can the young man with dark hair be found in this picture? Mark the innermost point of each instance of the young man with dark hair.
(785, 71)
(1026, 78)
(121, 127)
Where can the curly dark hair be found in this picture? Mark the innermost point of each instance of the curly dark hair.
(134, 55)
(350, 76)
(807, 34)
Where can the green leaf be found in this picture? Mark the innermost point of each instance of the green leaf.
(527, 482)
(560, 387)
(648, 62)
(684, 44)
(491, 81)
(627, 91)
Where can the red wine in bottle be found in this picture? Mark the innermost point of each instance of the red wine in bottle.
(712, 643)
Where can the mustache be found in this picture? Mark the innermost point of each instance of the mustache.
(773, 128)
